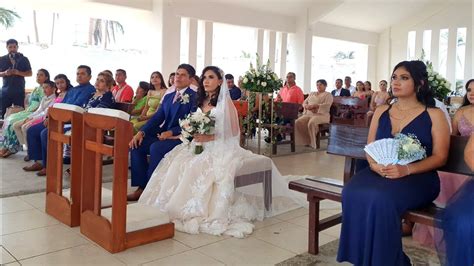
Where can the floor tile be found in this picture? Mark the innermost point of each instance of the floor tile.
(266, 222)
(285, 235)
(151, 252)
(249, 250)
(190, 257)
(195, 241)
(334, 231)
(292, 214)
(13, 204)
(5, 256)
(80, 255)
(24, 220)
(39, 241)
(37, 200)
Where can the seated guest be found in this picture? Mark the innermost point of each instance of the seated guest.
(379, 97)
(140, 98)
(103, 97)
(159, 135)
(360, 91)
(316, 112)
(171, 79)
(348, 85)
(37, 135)
(462, 125)
(375, 198)
(339, 90)
(122, 92)
(368, 88)
(457, 220)
(154, 97)
(195, 82)
(234, 91)
(10, 144)
(20, 127)
(290, 93)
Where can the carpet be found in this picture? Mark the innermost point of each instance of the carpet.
(15, 181)
(327, 255)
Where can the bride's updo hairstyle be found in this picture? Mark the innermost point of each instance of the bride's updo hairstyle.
(417, 70)
(201, 92)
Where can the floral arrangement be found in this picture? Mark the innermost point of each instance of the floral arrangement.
(440, 86)
(196, 123)
(261, 78)
(403, 149)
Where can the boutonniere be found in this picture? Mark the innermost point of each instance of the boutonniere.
(185, 98)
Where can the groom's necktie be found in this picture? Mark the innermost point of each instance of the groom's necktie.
(177, 96)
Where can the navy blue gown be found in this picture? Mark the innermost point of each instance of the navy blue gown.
(458, 227)
(372, 206)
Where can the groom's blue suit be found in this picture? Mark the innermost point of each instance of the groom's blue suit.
(166, 118)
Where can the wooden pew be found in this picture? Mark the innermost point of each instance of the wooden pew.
(285, 111)
(349, 141)
(111, 228)
(65, 208)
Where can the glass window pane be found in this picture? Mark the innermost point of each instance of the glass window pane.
(427, 44)
(184, 45)
(460, 57)
(411, 45)
(443, 51)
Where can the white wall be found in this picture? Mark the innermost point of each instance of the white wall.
(434, 17)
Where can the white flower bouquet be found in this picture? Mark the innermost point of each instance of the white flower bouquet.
(440, 86)
(196, 123)
(261, 78)
(403, 149)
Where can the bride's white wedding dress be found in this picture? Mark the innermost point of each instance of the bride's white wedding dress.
(197, 191)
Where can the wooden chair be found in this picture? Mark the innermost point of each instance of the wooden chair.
(350, 111)
(242, 111)
(288, 112)
(111, 228)
(64, 208)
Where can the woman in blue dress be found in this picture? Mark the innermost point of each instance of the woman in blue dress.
(374, 200)
(458, 219)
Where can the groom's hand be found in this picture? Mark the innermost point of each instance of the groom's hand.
(136, 140)
(165, 135)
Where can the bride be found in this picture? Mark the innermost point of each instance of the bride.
(197, 191)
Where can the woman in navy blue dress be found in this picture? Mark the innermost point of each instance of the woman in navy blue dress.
(374, 200)
(103, 97)
(458, 219)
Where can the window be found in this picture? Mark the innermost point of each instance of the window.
(184, 45)
(460, 57)
(411, 45)
(443, 51)
(427, 44)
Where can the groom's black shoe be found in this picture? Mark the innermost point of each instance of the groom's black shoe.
(134, 196)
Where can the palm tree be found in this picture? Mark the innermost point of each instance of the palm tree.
(7, 17)
(101, 31)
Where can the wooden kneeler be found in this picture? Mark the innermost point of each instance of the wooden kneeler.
(64, 208)
(110, 227)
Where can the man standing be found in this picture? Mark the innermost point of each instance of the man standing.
(160, 134)
(122, 92)
(290, 93)
(14, 67)
(340, 91)
(234, 91)
(347, 82)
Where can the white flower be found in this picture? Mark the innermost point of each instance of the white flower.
(245, 80)
(258, 82)
(410, 147)
(257, 73)
(185, 98)
(430, 79)
(264, 84)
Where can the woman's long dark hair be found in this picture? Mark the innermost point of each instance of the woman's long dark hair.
(466, 100)
(46, 73)
(163, 82)
(417, 70)
(201, 93)
(63, 77)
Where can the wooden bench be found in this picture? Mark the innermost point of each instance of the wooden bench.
(65, 208)
(349, 141)
(112, 228)
(286, 112)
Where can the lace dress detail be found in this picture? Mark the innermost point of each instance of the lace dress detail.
(465, 127)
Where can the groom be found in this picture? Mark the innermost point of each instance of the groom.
(159, 135)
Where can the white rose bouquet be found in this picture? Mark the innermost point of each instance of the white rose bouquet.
(403, 149)
(261, 78)
(196, 123)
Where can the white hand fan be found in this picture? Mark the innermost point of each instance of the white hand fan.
(383, 151)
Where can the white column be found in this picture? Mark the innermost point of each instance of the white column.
(260, 33)
(372, 65)
(304, 42)
(435, 48)
(169, 25)
(284, 45)
(418, 44)
(451, 63)
(192, 60)
(271, 48)
(208, 43)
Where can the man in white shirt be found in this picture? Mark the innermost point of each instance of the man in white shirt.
(347, 82)
(339, 90)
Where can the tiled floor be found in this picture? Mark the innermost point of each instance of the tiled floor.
(31, 237)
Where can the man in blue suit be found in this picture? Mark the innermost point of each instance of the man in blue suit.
(159, 135)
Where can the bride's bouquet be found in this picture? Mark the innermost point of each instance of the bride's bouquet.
(403, 149)
(196, 123)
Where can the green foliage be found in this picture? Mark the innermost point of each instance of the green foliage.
(7, 17)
